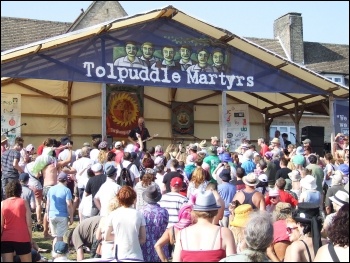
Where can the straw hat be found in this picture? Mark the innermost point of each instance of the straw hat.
(275, 140)
(250, 179)
(294, 176)
(242, 213)
(340, 198)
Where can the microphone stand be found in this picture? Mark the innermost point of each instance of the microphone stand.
(14, 128)
(296, 140)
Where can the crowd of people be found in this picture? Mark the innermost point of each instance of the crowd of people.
(273, 201)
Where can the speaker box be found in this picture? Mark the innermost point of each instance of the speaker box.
(315, 134)
(319, 150)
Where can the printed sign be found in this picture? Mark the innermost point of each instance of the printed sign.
(341, 116)
(10, 116)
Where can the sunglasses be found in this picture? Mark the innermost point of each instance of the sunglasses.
(290, 229)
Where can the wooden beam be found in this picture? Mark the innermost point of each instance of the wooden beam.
(43, 96)
(157, 101)
(69, 108)
(300, 100)
(38, 91)
(325, 106)
(266, 100)
(243, 102)
(173, 94)
(60, 116)
(86, 98)
(215, 93)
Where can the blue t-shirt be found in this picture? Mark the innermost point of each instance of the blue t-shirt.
(227, 191)
(58, 195)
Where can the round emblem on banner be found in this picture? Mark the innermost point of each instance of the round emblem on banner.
(183, 118)
(12, 122)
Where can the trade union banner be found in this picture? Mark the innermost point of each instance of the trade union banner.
(160, 53)
(341, 116)
(124, 107)
(11, 116)
(182, 118)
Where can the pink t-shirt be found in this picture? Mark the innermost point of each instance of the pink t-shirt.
(280, 231)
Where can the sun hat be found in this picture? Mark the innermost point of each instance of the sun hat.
(225, 175)
(241, 217)
(203, 144)
(306, 141)
(305, 212)
(337, 178)
(118, 144)
(275, 140)
(62, 176)
(151, 195)
(294, 176)
(344, 168)
(102, 145)
(298, 159)
(111, 170)
(299, 150)
(283, 208)
(340, 198)
(274, 192)
(61, 247)
(30, 147)
(205, 201)
(96, 167)
(308, 182)
(250, 179)
(212, 150)
(176, 182)
(23, 177)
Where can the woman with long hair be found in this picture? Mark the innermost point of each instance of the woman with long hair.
(141, 186)
(198, 182)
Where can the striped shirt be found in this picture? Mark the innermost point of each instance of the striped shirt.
(7, 158)
(172, 202)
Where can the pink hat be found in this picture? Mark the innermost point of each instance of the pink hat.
(185, 218)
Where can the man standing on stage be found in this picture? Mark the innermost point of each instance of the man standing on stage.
(142, 130)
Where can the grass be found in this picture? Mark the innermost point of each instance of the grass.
(45, 243)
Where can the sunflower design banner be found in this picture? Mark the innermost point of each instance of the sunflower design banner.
(123, 110)
(182, 118)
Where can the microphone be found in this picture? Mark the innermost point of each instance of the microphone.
(292, 133)
(24, 124)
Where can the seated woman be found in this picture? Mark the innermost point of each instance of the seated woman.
(204, 241)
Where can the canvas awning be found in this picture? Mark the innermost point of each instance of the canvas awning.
(281, 86)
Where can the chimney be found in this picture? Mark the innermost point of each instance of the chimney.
(288, 29)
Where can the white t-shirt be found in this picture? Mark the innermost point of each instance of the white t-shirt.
(107, 192)
(80, 165)
(85, 206)
(94, 155)
(126, 223)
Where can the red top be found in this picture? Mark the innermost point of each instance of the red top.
(213, 255)
(264, 149)
(14, 216)
(280, 231)
(284, 197)
(40, 149)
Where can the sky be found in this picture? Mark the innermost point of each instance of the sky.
(323, 21)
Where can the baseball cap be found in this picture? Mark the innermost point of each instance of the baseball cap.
(306, 141)
(118, 144)
(97, 167)
(29, 147)
(176, 181)
(62, 176)
(23, 177)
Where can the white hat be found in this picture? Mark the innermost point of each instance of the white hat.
(118, 144)
(250, 179)
(294, 176)
(340, 198)
(263, 178)
(308, 182)
(274, 192)
(97, 167)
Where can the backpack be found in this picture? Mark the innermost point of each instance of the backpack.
(125, 176)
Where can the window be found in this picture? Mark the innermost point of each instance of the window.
(336, 78)
(290, 130)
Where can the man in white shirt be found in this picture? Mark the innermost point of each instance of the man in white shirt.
(134, 172)
(107, 191)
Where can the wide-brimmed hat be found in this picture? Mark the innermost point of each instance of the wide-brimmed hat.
(225, 175)
(250, 179)
(151, 195)
(203, 144)
(283, 208)
(344, 168)
(305, 212)
(111, 170)
(308, 182)
(275, 140)
(340, 198)
(294, 176)
(241, 217)
(205, 201)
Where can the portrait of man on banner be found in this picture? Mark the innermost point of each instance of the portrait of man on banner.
(123, 110)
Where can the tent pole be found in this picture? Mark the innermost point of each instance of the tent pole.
(331, 118)
(296, 123)
(223, 129)
(104, 121)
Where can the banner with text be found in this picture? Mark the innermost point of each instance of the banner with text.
(10, 116)
(236, 124)
(341, 116)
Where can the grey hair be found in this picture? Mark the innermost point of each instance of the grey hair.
(261, 139)
(259, 234)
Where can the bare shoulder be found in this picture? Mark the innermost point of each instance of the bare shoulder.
(323, 255)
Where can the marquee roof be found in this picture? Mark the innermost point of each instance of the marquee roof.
(269, 102)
